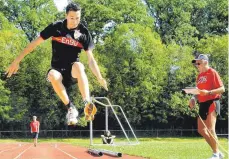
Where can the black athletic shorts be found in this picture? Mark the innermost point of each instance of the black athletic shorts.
(68, 80)
(204, 108)
(35, 135)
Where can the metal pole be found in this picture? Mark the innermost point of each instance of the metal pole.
(91, 133)
(111, 153)
(128, 123)
(94, 99)
(95, 152)
(106, 118)
(115, 116)
(106, 111)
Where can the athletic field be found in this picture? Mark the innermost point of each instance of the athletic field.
(150, 148)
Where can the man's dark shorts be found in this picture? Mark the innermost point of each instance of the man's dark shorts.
(66, 73)
(205, 108)
(35, 135)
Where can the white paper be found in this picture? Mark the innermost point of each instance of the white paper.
(191, 90)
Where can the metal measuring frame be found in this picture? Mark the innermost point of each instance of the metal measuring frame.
(109, 105)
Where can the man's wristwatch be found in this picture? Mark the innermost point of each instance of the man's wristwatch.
(210, 92)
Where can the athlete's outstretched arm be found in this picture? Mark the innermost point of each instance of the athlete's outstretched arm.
(13, 68)
(95, 69)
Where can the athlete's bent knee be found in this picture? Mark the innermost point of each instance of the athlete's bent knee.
(54, 76)
(77, 69)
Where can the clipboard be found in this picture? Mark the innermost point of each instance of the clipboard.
(191, 90)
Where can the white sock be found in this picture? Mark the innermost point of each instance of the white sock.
(217, 153)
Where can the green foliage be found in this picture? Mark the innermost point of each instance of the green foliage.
(11, 41)
(138, 75)
(4, 102)
(173, 21)
(185, 21)
(143, 48)
(30, 16)
(103, 16)
(210, 17)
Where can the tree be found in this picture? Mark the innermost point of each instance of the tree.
(102, 16)
(137, 69)
(185, 22)
(9, 49)
(181, 74)
(173, 21)
(29, 15)
(210, 17)
(145, 53)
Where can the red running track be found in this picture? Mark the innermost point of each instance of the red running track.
(49, 151)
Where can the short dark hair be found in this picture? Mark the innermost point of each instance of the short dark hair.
(72, 7)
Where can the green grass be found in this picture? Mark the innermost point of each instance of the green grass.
(153, 148)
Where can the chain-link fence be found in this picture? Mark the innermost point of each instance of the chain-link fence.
(117, 133)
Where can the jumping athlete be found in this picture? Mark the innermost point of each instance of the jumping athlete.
(69, 37)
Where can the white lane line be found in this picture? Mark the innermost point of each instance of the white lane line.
(11, 148)
(23, 152)
(66, 153)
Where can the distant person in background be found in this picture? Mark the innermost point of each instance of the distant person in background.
(210, 88)
(108, 138)
(69, 37)
(35, 126)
